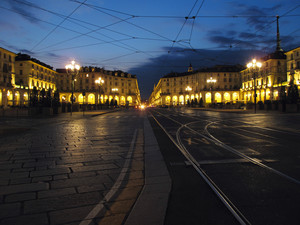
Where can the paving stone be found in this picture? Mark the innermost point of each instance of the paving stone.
(20, 181)
(10, 210)
(37, 179)
(70, 215)
(94, 168)
(10, 166)
(19, 175)
(89, 188)
(11, 189)
(61, 202)
(55, 171)
(36, 219)
(60, 177)
(83, 174)
(4, 181)
(56, 193)
(19, 170)
(76, 159)
(74, 182)
(20, 197)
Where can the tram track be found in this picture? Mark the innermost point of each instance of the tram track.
(195, 163)
(224, 199)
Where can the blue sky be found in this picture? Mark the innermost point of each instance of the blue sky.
(147, 38)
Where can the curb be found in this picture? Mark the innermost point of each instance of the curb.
(151, 205)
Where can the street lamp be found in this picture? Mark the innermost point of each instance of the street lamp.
(100, 81)
(254, 67)
(114, 90)
(73, 70)
(188, 89)
(211, 81)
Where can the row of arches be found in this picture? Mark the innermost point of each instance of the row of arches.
(13, 98)
(96, 99)
(208, 97)
(261, 95)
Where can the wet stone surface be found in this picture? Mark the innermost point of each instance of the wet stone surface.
(58, 169)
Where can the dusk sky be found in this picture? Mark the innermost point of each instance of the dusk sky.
(147, 38)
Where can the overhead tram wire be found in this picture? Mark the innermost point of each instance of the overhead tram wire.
(70, 18)
(65, 29)
(85, 34)
(88, 45)
(119, 56)
(164, 16)
(140, 27)
(264, 27)
(58, 25)
(268, 24)
(128, 47)
(175, 40)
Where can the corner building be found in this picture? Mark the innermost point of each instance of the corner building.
(293, 65)
(8, 94)
(269, 80)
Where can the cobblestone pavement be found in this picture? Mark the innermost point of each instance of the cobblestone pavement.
(71, 170)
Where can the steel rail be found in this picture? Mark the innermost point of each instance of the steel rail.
(232, 150)
(224, 199)
(247, 157)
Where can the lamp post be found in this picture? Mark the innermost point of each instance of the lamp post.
(114, 90)
(100, 81)
(73, 70)
(211, 81)
(254, 67)
(188, 89)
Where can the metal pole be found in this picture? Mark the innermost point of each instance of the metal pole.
(72, 96)
(254, 92)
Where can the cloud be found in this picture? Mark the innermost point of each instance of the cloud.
(53, 55)
(25, 51)
(247, 35)
(225, 42)
(24, 9)
(260, 17)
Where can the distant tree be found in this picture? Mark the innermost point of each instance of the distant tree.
(196, 101)
(201, 102)
(48, 99)
(293, 93)
(188, 102)
(192, 103)
(111, 102)
(42, 97)
(34, 97)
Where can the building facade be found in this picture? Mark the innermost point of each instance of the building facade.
(219, 84)
(21, 76)
(293, 65)
(268, 81)
(7, 78)
(117, 85)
